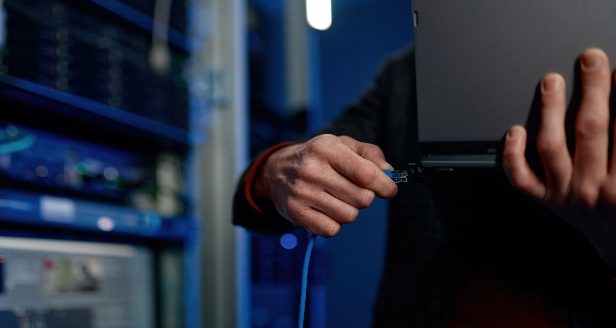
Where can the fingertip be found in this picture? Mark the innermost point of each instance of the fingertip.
(516, 166)
(516, 139)
(387, 167)
(516, 132)
(594, 60)
(551, 83)
(320, 224)
(391, 191)
(553, 75)
(593, 51)
(514, 146)
(329, 230)
(395, 192)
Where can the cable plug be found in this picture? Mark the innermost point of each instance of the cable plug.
(400, 176)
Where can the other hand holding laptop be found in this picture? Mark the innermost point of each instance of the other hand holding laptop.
(581, 189)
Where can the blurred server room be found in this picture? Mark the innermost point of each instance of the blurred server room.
(124, 125)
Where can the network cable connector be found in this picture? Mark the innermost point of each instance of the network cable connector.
(415, 173)
(398, 176)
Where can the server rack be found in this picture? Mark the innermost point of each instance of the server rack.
(95, 150)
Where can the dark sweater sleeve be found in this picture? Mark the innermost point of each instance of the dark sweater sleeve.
(362, 120)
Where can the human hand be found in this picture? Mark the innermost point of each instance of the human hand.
(581, 190)
(322, 183)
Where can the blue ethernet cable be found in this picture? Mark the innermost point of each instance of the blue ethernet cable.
(415, 173)
(302, 300)
(397, 177)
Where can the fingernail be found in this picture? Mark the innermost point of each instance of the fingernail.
(388, 166)
(590, 62)
(550, 84)
(513, 133)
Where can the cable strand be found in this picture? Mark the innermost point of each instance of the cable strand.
(302, 300)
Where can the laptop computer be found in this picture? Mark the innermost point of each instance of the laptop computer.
(479, 64)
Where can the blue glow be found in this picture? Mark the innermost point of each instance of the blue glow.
(17, 145)
(288, 241)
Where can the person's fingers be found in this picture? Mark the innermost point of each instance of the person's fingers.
(516, 166)
(323, 179)
(346, 191)
(612, 168)
(311, 219)
(364, 173)
(331, 206)
(367, 175)
(592, 124)
(551, 140)
(368, 151)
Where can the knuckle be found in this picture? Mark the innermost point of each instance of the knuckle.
(586, 194)
(589, 126)
(326, 139)
(309, 170)
(346, 139)
(365, 174)
(314, 147)
(519, 181)
(349, 215)
(297, 190)
(374, 149)
(548, 145)
(608, 192)
(294, 209)
(331, 230)
(364, 198)
(319, 144)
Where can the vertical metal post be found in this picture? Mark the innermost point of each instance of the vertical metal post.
(296, 45)
(225, 287)
(302, 64)
(240, 108)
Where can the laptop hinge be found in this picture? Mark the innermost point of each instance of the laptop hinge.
(460, 161)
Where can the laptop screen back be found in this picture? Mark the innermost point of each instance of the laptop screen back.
(479, 62)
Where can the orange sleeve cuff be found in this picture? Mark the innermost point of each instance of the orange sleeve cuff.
(250, 177)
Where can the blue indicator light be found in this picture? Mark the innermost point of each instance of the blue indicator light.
(288, 241)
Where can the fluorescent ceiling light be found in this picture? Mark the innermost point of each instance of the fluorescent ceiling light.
(319, 14)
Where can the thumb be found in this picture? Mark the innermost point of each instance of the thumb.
(368, 151)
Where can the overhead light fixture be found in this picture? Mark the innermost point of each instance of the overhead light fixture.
(319, 14)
